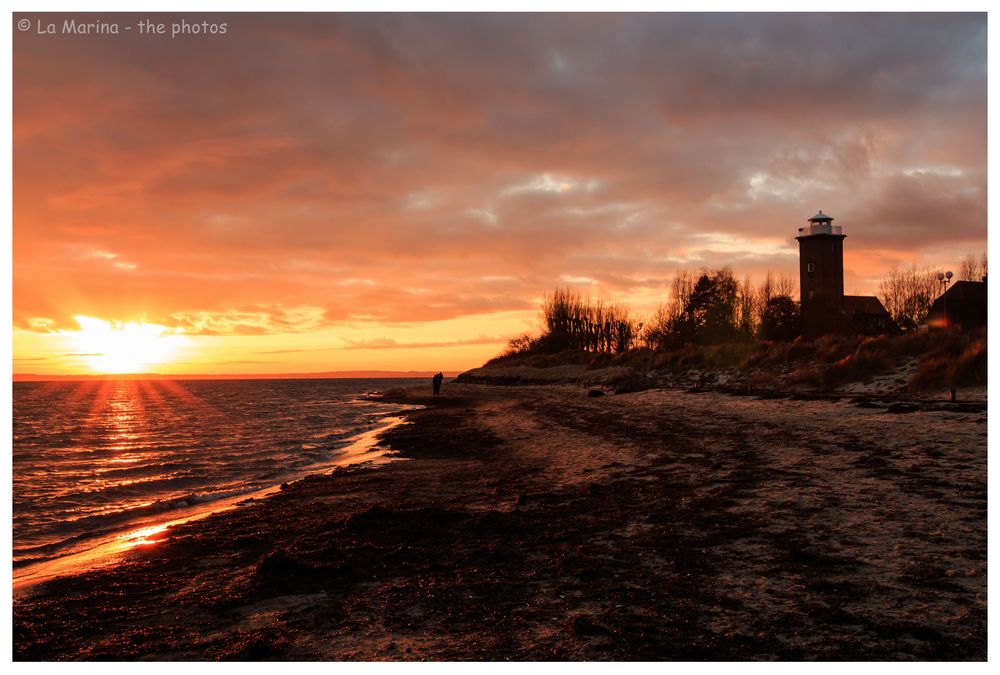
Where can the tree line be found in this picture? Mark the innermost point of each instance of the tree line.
(715, 307)
(712, 308)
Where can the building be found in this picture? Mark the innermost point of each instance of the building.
(866, 315)
(821, 261)
(825, 308)
(962, 307)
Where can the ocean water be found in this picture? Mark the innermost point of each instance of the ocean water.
(94, 458)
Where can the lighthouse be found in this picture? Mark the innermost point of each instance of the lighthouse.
(821, 262)
(825, 308)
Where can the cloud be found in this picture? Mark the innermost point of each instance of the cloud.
(311, 170)
(385, 343)
(265, 320)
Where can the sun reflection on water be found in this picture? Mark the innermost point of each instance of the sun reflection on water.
(145, 536)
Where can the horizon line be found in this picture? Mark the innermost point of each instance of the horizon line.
(330, 375)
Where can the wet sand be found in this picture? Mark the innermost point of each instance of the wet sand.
(538, 523)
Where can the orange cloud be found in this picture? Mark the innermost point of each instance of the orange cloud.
(308, 173)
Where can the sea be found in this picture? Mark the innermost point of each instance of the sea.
(96, 459)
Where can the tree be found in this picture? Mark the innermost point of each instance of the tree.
(908, 295)
(771, 287)
(524, 343)
(781, 320)
(656, 331)
(973, 268)
(785, 285)
(746, 315)
(575, 322)
(710, 314)
(681, 288)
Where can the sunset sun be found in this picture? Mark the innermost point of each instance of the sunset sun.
(116, 347)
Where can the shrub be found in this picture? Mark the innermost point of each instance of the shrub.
(521, 344)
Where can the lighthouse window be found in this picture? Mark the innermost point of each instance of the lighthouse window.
(812, 294)
(810, 267)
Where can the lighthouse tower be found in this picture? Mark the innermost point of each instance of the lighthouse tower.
(821, 262)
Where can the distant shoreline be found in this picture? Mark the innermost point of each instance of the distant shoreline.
(330, 375)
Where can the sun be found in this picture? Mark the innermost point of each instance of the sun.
(119, 348)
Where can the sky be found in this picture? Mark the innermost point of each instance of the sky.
(338, 192)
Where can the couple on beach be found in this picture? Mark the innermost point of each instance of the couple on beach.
(437, 380)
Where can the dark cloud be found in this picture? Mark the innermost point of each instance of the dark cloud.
(306, 170)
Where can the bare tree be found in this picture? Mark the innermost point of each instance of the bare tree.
(772, 287)
(908, 294)
(573, 321)
(680, 294)
(746, 316)
(973, 268)
(765, 292)
(656, 332)
(785, 285)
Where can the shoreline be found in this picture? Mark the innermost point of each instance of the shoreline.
(535, 523)
(106, 551)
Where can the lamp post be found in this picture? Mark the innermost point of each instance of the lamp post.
(944, 278)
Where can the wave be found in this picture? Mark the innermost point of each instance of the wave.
(108, 523)
(88, 460)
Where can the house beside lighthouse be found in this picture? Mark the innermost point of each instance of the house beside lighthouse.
(825, 308)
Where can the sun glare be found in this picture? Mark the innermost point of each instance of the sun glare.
(115, 347)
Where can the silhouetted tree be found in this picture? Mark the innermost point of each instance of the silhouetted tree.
(772, 287)
(656, 333)
(908, 295)
(973, 268)
(575, 322)
(710, 314)
(746, 317)
(780, 320)
(524, 343)
(681, 288)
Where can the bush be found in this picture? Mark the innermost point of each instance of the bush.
(521, 344)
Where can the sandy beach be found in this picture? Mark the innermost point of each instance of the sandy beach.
(537, 523)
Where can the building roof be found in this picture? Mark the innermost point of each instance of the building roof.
(863, 304)
(964, 291)
(820, 216)
(867, 316)
(965, 302)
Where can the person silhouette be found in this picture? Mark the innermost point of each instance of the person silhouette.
(438, 378)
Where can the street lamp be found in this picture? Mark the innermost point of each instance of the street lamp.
(944, 278)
